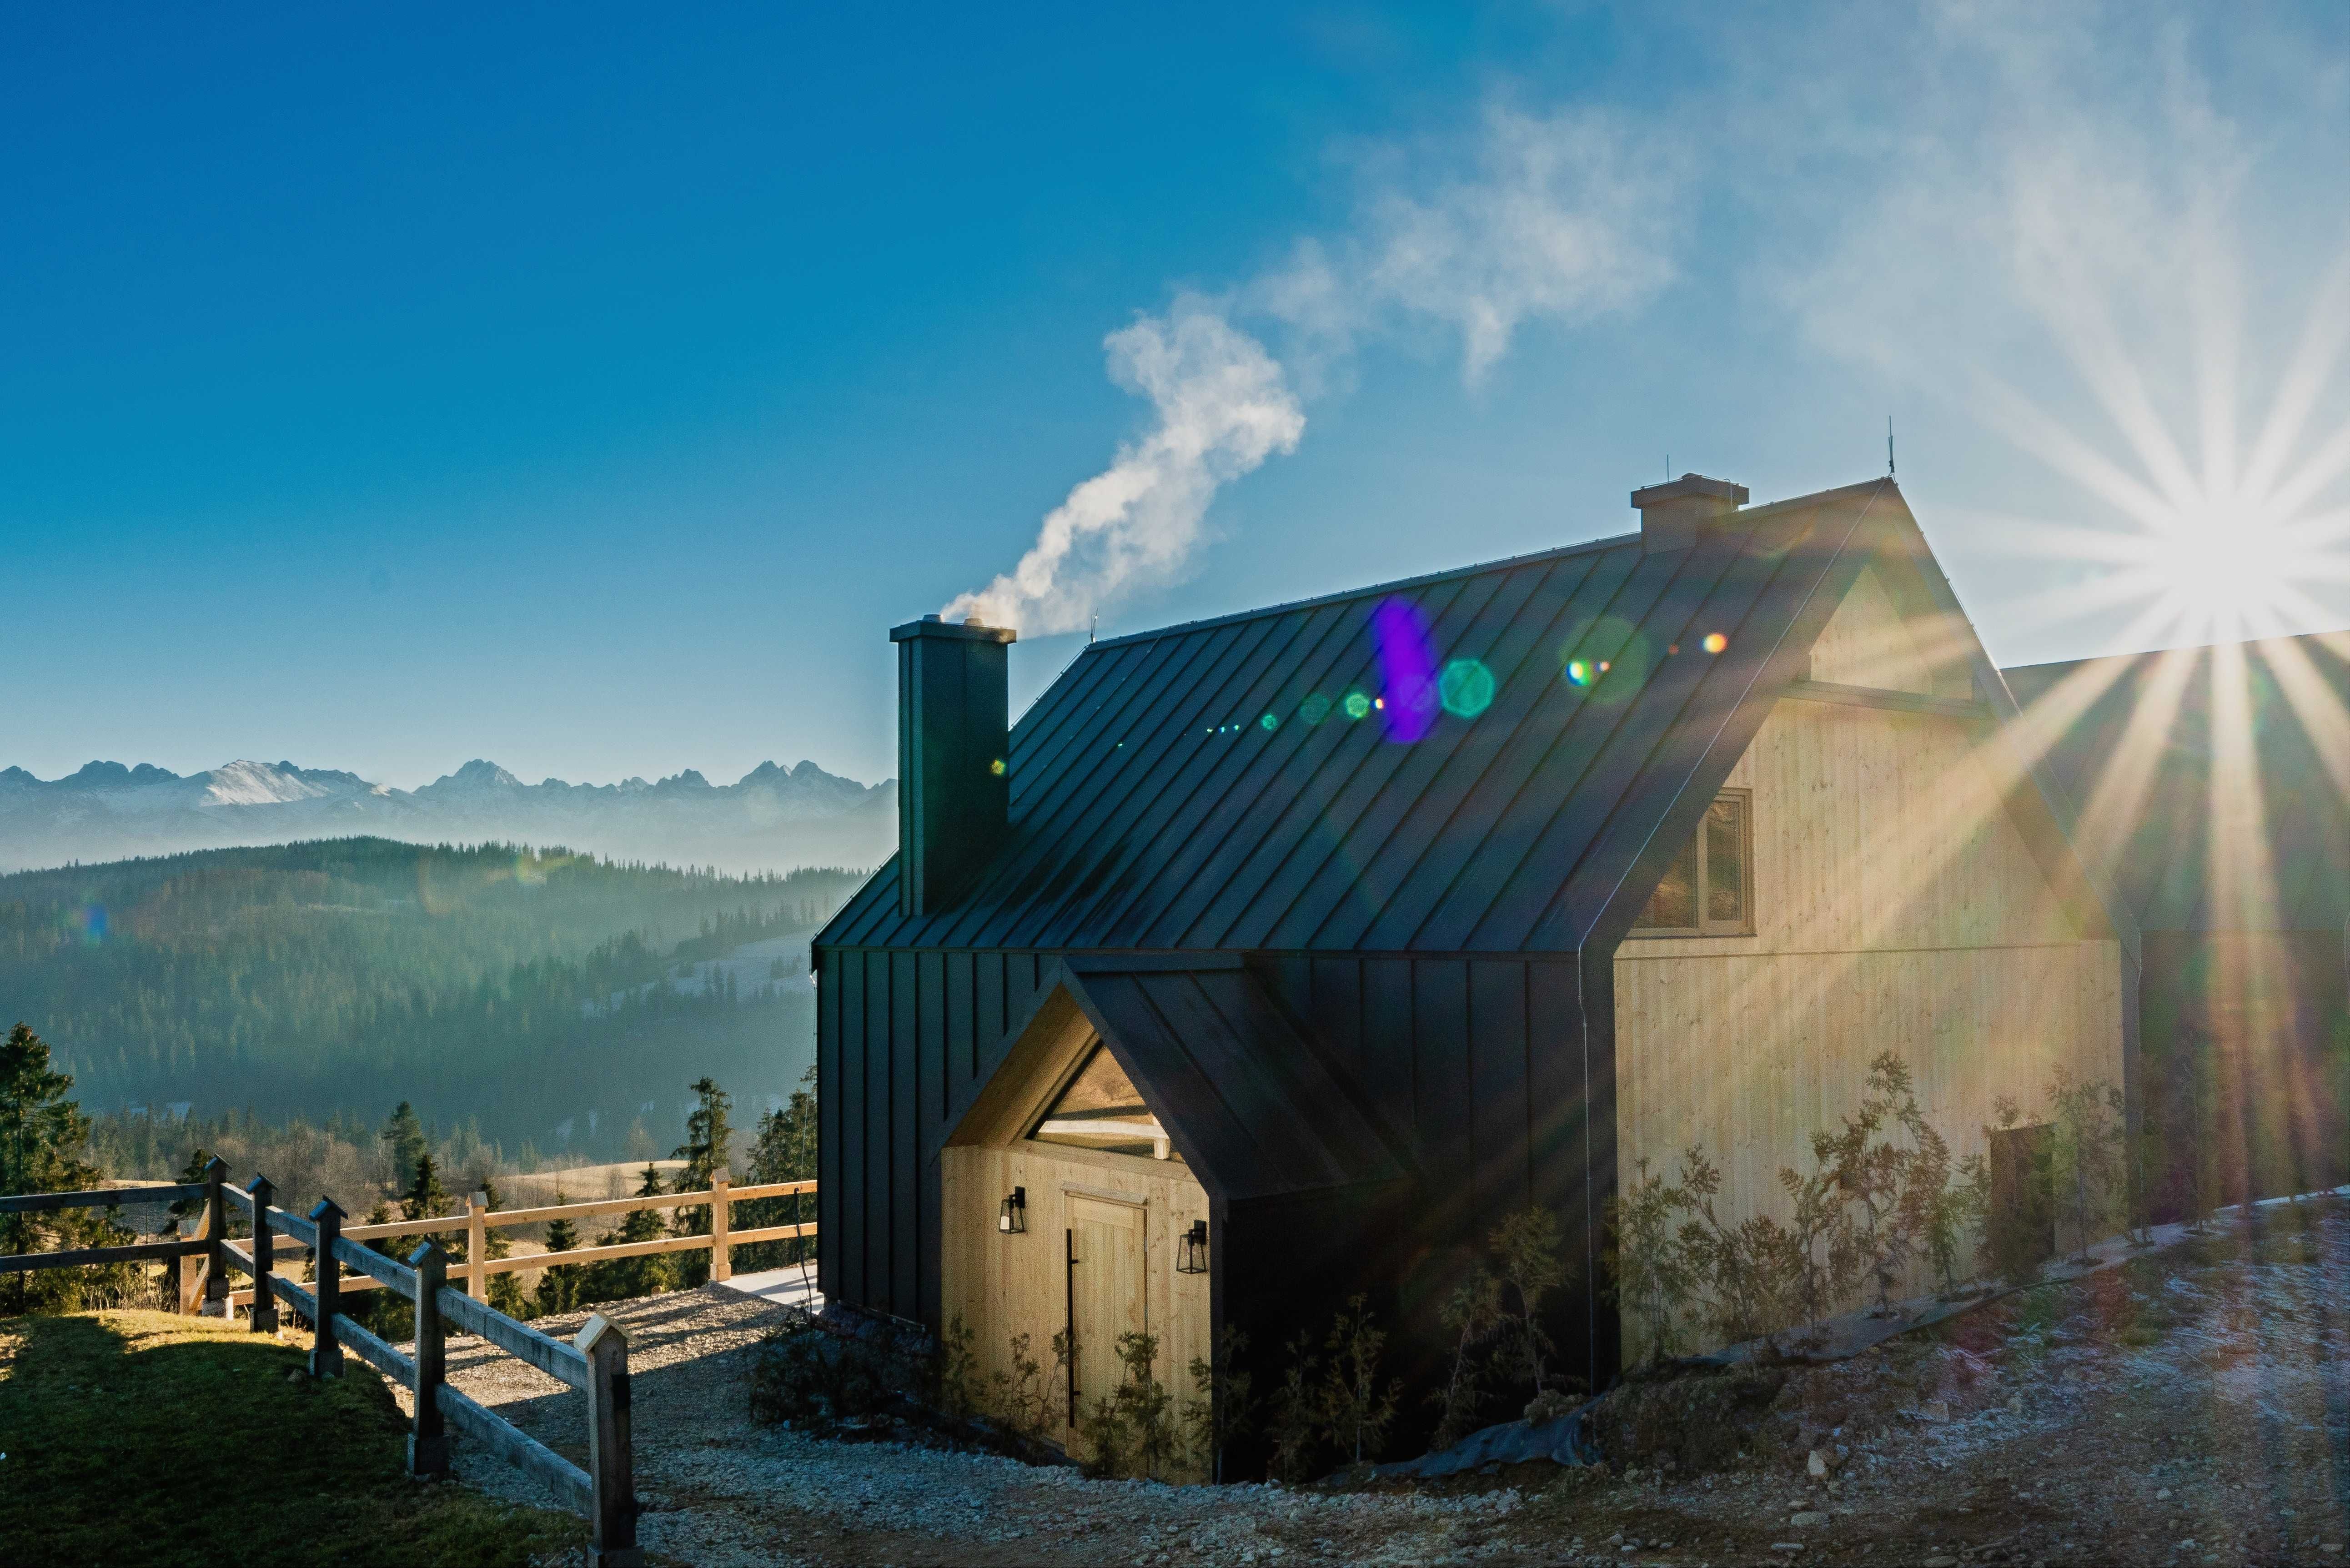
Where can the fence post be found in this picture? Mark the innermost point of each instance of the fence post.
(428, 1445)
(722, 1220)
(477, 1247)
(612, 1521)
(216, 1285)
(191, 1271)
(326, 1289)
(265, 1255)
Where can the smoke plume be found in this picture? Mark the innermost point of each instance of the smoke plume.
(1222, 409)
(1529, 218)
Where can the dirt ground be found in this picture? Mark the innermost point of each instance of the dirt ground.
(2193, 1407)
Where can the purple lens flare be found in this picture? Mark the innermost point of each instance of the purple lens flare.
(1408, 670)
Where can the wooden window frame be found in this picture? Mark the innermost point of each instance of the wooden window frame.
(1704, 928)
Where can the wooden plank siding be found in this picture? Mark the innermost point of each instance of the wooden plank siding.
(1896, 907)
(1003, 1285)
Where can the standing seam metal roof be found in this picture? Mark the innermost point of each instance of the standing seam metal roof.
(1153, 808)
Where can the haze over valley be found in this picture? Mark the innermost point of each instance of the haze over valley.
(772, 819)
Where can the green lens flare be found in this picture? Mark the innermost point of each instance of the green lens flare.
(1356, 705)
(1314, 708)
(1466, 687)
(1269, 724)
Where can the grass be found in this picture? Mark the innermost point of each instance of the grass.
(136, 1437)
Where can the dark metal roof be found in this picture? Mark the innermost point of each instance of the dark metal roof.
(1244, 1098)
(2151, 748)
(1173, 790)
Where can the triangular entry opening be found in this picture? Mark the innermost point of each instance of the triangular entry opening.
(1101, 1109)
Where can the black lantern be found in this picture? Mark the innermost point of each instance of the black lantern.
(1192, 1250)
(1012, 1219)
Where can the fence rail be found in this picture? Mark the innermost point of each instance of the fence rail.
(595, 1361)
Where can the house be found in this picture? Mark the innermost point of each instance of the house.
(1275, 958)
(2214, 785)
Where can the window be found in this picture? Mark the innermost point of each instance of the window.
(1707, 890)
(1101, 1109)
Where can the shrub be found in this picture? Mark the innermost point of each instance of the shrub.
(1356, 1406)
(2086, 1157)
(1472, 1314)
(821, 1381)
(1223, 1411)
(1526, 1246)
(1294, 1419)
(1132, 1429)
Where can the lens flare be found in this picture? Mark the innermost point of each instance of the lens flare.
(1408, 669)
(1580, 672)
(1356, 705)
(1466, 687)
(1715, 642)
(1314, 708)
(1269, 724)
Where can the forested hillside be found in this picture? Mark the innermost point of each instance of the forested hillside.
(547, 995)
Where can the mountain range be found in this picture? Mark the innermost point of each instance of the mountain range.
(773, 818)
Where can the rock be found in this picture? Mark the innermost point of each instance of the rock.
(1810, 1519)
(1937, 1410)
(1943, 1562)
(1816, 1465)
(2163, 1495)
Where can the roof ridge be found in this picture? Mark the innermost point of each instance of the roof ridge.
(1557, 552)
(1505, 562)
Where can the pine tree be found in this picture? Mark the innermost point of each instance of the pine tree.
(403, 1137)
(425, 1198)
(708, 1139)
(559, 1285)
(42, 1135)
(784, 1151)
(618, 1279)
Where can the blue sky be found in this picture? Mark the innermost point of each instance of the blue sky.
(591, 388)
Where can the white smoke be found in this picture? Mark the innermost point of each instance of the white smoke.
(1222, 409)
(1557, 218)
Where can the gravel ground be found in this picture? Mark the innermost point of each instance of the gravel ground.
(2192, 1408)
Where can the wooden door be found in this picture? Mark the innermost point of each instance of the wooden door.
(1106, 1246)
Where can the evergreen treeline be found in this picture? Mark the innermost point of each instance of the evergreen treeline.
(544, 995)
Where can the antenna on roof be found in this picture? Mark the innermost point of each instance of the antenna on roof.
(1888, 446)
(1669, 468)
(1092, 629)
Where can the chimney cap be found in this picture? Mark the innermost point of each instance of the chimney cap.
(932, 626)
(1690, 488)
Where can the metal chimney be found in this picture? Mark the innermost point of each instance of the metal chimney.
(954, 799)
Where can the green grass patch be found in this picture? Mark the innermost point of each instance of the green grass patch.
(138, 1438)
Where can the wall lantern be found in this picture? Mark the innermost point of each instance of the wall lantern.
(1012, 1219)
(1192, 1250)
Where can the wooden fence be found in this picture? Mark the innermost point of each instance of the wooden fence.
(595, 1361)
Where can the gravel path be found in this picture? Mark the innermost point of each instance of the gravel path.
(2196, 1413)
(720, 1491)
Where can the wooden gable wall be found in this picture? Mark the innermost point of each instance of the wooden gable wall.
(1896, 907)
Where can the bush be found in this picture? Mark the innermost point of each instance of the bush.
(810, 1378)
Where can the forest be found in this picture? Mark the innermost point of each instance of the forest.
(538, 996)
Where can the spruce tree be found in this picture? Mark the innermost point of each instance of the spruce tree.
(785, 1150)
(403, 1139)
(709, 1137)
(425, 1198)
(558, 1284)
(42, 1137)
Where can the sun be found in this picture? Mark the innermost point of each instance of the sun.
(2228, 568)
